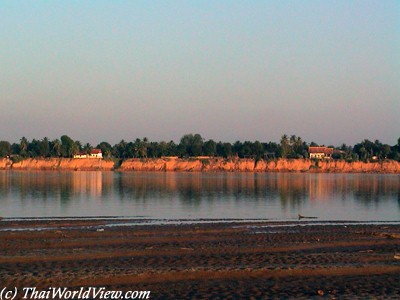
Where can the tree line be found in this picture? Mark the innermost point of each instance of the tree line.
(194, 145)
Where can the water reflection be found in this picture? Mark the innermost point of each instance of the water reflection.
(198, 195)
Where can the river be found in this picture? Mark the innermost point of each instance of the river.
(195, 196)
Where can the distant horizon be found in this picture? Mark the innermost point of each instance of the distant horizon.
(230, 70)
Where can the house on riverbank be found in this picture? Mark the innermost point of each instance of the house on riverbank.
(94, 153)
(320, 152)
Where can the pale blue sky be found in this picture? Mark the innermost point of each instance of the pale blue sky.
(328, 71)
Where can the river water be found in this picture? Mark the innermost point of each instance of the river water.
(194, 196)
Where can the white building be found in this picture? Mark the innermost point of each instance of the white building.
(94, 153)
(80, 155)
(320, 152)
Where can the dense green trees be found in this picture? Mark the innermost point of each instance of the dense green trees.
(105, 148)
(224, 149)
(368, 150)
(292, 147)
(210, 148)
(5, 148)
(55, 147)
(68, 147)
(192, 145)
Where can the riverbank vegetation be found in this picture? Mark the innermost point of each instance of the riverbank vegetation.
(194, 145)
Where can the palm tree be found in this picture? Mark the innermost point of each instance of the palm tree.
(292, 139)
(44, 147)
(285, 147)
(56, 149)
(87, 148)
(120, 149)
(143, 147)
(75, 148)
(23, 146)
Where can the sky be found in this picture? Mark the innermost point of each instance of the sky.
(327, 71)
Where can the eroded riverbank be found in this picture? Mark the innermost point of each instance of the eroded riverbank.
(205, 165)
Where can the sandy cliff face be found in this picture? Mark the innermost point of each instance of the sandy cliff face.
(158, 164)
(285, 165)
(86, 164)
(5, 164)
(249, 165)
(205, 165)
(216, 164)
(63, 164)
(389, 166)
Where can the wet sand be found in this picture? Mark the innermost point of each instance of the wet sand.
(227, 260)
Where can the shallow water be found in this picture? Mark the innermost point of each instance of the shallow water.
(193, 196)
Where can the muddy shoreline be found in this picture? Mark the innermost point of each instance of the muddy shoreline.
(227, 260)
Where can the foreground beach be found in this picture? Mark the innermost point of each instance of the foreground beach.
(226, 260)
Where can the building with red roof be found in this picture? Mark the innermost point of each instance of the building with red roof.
(320, 152)
(94, 153)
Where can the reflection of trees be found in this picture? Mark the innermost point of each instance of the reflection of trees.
(52, 185)
(194, 189)
(293, 190)
(398, 199)
(366, 189)
(41, 186)
(294, 197)
(5, 183)
(375, 189)
(142, 186)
